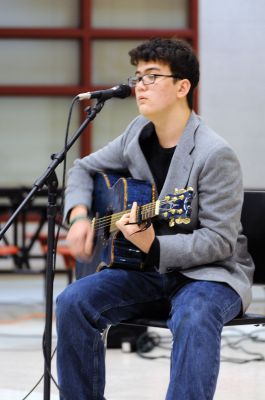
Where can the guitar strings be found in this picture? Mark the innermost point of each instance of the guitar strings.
(108, 220)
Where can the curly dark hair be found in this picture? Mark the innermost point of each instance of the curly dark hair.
(176, 53)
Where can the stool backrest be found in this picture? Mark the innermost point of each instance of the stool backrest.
(253, 221)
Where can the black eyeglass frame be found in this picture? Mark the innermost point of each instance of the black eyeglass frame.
(134, 80)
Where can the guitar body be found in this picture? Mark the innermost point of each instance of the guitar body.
(114, 194)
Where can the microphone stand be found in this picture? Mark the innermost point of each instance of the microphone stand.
(49, 179)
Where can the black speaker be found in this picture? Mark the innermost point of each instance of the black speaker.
(253, 221)
(124, 337)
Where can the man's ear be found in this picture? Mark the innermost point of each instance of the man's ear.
(183, 87)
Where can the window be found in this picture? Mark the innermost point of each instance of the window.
(55, 49)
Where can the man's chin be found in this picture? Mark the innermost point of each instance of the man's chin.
(144, 111)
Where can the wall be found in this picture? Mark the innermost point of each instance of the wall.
(232, 98)
(232, 89)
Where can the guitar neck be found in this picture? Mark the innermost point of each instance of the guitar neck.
(143, 213)
(176, 208)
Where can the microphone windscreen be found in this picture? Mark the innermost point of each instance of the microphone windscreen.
(123, 91)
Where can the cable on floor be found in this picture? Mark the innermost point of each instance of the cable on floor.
(234, 344)
(148, 341)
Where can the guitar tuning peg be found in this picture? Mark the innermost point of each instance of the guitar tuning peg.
(182, 221)
(179, 191)
(180, 211)
(167, 198)
(171, 222)
(165, 214)
(179, 220)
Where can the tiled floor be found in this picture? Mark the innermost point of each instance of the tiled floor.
(129, 377)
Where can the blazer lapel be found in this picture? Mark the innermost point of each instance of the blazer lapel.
(181, 163)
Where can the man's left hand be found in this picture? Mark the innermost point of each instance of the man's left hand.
(136, 234)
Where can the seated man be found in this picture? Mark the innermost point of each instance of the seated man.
(202, 273)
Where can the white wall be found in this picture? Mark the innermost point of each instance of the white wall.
(232, 88)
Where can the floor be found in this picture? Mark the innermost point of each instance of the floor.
(129, 376)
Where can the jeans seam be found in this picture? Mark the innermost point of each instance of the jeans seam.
(210, 395)
(227, 309)
(215, 373)
(95, 372)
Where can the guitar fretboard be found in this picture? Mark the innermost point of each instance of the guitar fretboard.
(146, 212)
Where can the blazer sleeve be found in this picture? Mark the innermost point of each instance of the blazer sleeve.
(110, 158)
(220, 198)
(80, 178)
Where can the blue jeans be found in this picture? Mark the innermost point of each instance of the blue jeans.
(197, 312)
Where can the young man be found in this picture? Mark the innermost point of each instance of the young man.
(202, 272)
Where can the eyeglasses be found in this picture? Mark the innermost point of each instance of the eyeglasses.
(148, 79)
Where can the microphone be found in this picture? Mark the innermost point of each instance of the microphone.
(120, 91)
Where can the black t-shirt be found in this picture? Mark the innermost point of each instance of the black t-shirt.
(158, 159)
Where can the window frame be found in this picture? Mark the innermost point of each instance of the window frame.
(85, 34)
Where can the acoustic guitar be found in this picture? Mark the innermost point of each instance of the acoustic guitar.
(114, 196)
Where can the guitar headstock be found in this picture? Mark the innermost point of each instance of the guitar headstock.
(177, 207)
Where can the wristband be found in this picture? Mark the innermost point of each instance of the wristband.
(77, 218)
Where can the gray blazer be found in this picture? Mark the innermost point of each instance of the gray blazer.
(212, 246)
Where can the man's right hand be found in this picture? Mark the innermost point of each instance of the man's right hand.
(80, 236)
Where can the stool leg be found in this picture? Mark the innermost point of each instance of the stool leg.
(105, 337)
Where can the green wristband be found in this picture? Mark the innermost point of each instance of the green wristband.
(77, 218)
